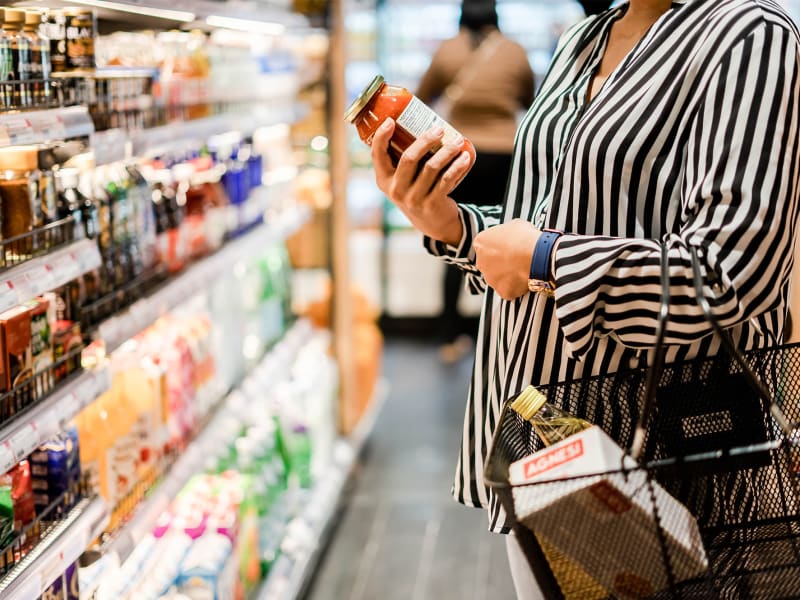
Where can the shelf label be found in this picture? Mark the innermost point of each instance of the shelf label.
(88, 257)
(32, 588)
(65, 268)
(25, 441)
(48, 126)
(70, 405)
(86, 390)
(16, 130)
(142, 314)
(9, 297)
(34, 281)
(7, 457)
(110, 331)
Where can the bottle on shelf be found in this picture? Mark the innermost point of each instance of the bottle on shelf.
(48, 195)
(20, 65)
(81, 32)
(54, 29)
(70, 201)
(40, 58)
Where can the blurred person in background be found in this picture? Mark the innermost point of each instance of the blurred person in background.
(483, 81)
(661, 124)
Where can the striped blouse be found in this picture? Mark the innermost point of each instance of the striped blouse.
(692, 140)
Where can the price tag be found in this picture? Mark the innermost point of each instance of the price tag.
(25, 441)
(69, 406)
(64, 268)
(18, 130)
(86, 390)
(9, 297)
(110, 332)
(142, 314)
(88, 257)
(48, 126)
(32, 588)
(34, 281)
(7, 457)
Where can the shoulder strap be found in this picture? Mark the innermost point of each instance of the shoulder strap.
(469, 70)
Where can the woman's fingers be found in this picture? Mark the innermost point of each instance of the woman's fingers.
(384, 169)
(434, 167)
(407, 168)
(454, 174)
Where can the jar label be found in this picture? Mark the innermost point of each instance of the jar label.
(418, 117)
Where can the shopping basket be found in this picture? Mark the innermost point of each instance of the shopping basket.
(718, 434)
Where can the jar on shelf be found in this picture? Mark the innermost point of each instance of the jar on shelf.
(20, 65)
(19, 194)
(380, 101)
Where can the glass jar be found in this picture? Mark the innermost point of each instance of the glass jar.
(413, 117)
(19, 192)
(6, 89)
(20, 71)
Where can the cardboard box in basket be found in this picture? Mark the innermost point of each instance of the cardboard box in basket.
(605, 523)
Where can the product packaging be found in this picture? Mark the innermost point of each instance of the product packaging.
(66, 338)
(209, 569)
(41, 342)
(55, 591)
(6, 510)
(72, 589)
(595, 501)
(51, 474)
(15, 330)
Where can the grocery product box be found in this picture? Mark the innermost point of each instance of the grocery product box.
(602, 520)
(15, 332)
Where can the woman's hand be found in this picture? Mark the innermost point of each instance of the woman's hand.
(422, 194)
(503, 255)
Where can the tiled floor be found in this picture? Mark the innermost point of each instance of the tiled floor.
(401, 536)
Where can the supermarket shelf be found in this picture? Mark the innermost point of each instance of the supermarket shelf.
(176, 135)
(290, 575)
(206, 445)
(116, 330)
(24, 435)
(38, 275)
(56, 551)
(39, 126)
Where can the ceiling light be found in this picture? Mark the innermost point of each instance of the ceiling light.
(246, 25)
(159, 13)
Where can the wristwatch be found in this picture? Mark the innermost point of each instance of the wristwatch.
(540, 280)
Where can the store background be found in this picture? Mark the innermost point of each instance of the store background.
(218, 367)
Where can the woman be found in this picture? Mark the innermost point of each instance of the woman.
(485, 80)
(659, 122)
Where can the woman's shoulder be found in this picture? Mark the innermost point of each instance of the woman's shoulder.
(744, 17)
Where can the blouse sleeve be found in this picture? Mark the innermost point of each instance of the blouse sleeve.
(740, 208)
(474, 220)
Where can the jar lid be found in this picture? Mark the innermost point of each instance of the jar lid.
(33, 18)
(68, 177)
(363, 98)
(19, 158)
(78, 12)
(14, 16)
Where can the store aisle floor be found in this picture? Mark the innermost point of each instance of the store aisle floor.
(401, 536)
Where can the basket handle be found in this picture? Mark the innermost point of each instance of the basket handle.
(654, 372)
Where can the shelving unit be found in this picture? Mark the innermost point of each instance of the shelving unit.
(291, 574)
(118, 329)
(25, 434)
(205, 446)
(36, 127)
(59, 549)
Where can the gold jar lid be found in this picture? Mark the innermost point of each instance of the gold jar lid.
(78, 12)
(19, 158)
(363, 98)
(33, 18)
(14, 16)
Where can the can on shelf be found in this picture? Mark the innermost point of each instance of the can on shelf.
(413, 117)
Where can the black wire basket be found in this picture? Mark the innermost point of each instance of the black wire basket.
(716, 436)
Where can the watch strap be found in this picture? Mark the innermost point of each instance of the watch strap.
(540, 262)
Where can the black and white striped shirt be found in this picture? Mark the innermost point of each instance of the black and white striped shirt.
(693, 140)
